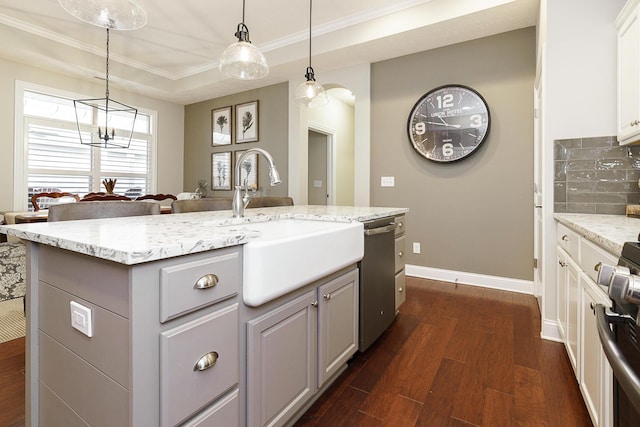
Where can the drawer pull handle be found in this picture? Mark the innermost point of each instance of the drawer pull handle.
(562, 263)
(400, 253)
(400, 289)
(207, 361)
(327, 296)
(565, 238)
(314, 304)
(597, 266)
(400, 224)
(207, 281)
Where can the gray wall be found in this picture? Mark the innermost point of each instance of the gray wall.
(273, 105)
(595, 175)
(475, 215)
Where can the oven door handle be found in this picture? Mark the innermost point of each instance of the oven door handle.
(623, 372)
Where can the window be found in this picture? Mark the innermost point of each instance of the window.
(54, 160)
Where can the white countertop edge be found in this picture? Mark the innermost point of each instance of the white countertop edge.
(135, 240)
(607, 231)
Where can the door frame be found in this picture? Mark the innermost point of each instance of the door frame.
(331, 158)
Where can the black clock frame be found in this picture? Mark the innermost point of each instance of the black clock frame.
(419, 103)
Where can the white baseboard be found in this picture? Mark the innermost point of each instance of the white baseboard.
(474, 279)
(550, 331)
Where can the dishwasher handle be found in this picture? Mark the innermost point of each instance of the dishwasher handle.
(380, 230)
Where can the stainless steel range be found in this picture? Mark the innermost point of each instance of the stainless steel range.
(618, 329)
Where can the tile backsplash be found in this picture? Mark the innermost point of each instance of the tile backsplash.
(595, 175)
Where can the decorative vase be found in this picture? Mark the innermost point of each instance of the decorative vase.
(201, 191)
(109, 185)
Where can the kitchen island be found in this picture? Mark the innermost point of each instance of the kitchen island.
(145, 346)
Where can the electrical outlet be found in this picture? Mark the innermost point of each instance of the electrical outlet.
(387, 181)
(416, 247)
(81, 318)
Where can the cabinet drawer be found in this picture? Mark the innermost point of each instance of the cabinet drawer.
(400, 221)
(591, 256)
(400, 251)
(225, 412)
(568, 240)
(189, 286)
(184, 389)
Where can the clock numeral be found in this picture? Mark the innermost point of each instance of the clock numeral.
(476, 120)
(447, 149)
(445, 101)
(420, 128)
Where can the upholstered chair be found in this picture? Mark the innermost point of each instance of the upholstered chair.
(101, 209)
(265, 202)
(198, 205)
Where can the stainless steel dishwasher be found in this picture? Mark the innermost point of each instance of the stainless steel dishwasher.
(377, 280)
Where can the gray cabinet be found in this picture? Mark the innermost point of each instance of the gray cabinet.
(400, 250)
(304, 342)
(164, 349)
(337, 324)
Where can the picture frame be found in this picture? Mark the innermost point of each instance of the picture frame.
(221, 126)
(248, 170)
(247, 122)
(221, 170)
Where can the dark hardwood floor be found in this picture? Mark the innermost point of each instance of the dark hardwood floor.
(455, 356)
(12, 383)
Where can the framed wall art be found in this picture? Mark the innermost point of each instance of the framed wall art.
(247, 122)
(221, 170)
(248, 170)
(221, 126)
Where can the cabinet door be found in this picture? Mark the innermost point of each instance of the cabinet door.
(628, 78)
(401, 293)
(562, 294)
(337, 324)
(591, 356)
(284, 340)
(573, 314)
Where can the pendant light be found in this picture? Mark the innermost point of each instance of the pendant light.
(111, 122)
(310, 93)
(242, 60)
(114, 14)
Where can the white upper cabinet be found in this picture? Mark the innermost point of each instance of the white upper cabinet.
(628, 119)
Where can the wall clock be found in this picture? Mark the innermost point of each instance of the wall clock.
(449, 123)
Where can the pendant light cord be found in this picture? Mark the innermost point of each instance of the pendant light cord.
(310, 6)
(243, 11)
(106, 94)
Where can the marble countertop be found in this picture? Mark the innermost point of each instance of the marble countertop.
(134, 240)
(607, 231)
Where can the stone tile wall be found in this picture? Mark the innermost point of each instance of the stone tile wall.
(595, 175)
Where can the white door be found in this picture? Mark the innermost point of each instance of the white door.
(537, 191)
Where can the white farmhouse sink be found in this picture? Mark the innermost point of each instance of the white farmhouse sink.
(291, 253)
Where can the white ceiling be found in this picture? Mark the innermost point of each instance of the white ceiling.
(175, 56)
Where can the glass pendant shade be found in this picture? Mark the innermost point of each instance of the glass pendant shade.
(243, 61)
(105, 123)
(114, 14)
(310, 93)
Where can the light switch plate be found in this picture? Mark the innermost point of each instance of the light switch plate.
(416, 247)
(387, 181)
(81, 318)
